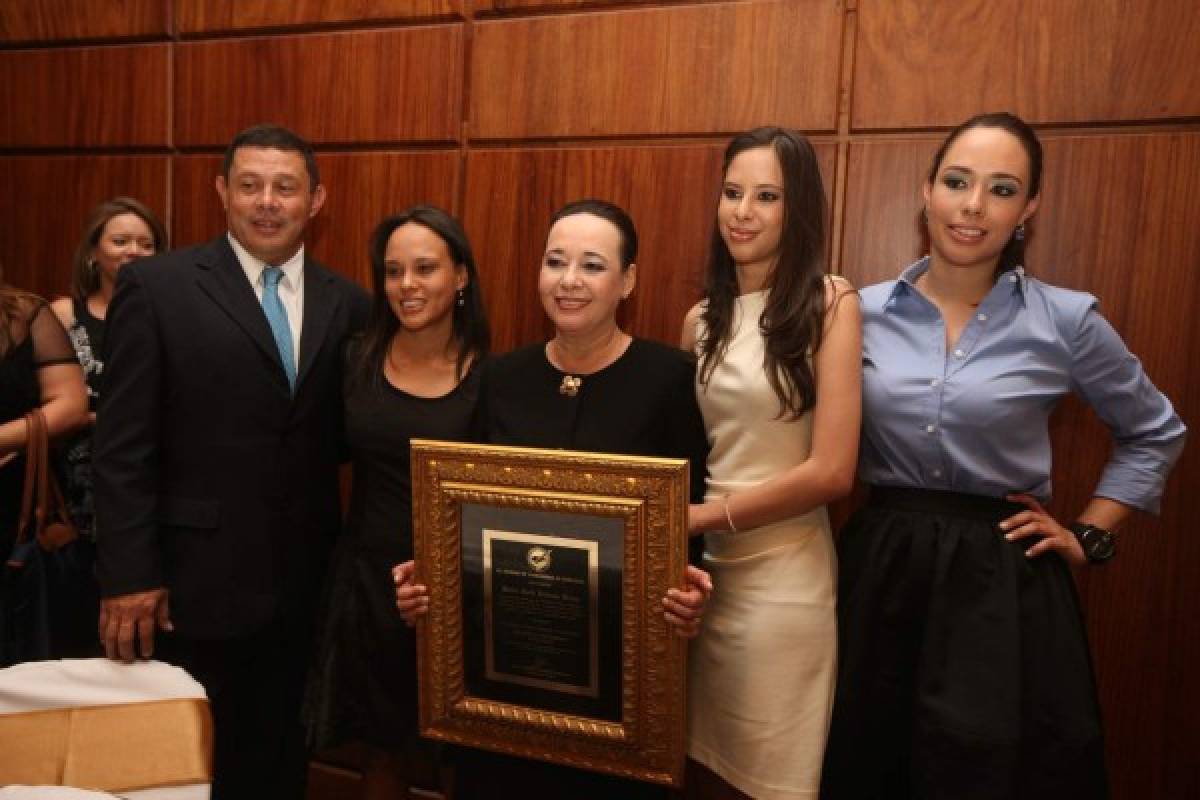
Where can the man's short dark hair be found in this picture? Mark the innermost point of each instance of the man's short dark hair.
(276, 137)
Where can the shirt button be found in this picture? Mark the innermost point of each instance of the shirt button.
(1012, 278)
(930, 428)
(934, 382)
(982, 318)
(958, 353)
(937, 473)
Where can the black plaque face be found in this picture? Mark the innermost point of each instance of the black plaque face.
(542, 609)
(539, 597)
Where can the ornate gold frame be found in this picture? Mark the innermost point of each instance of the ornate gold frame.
(651, 495)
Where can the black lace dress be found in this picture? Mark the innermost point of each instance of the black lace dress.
(37, 340)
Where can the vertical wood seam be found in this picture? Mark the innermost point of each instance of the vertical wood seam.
(841, 167)
(464, 108)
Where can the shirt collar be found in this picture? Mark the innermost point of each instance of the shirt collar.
(906, 283)
(293, 268)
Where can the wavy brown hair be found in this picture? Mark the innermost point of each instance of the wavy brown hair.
(793, 321)
(14, 309)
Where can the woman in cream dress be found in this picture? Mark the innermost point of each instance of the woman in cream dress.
(779, 387)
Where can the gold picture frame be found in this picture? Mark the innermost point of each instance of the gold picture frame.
(578, 665)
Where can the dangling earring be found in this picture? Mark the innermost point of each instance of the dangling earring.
(461, 299)
(1019, 233)
(925, 215)
(93, 267)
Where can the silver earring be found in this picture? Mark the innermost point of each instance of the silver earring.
(461, 299)
(1019, 233)
(93, 267)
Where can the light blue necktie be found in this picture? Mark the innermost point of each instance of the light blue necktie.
(277, 317)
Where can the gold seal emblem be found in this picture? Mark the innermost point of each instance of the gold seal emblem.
(538, 558)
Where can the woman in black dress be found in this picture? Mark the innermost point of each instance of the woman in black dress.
(37, 369)
(592, 387)
(413, 373)
(116, 232)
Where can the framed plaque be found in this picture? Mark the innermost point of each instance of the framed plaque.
(545, 636)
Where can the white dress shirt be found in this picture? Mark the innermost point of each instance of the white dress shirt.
(291, 287)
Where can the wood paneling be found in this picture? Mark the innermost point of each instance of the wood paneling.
(209, 16)
(656, 85)
(692, 69)
(562, 5)
(362, 189)
(365, 87)
(84, 97)
(881, 226)
(46, 199)
(924, 62)
(1105, 226)
(670, 192)
(62, 20)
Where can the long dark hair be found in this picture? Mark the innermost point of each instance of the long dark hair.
(793, 321)
(470, 323)
(85, 277)
(1013, 254)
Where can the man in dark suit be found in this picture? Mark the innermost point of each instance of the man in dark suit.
(217, 446)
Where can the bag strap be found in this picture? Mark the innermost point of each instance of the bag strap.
(43, 470)
(30, 495)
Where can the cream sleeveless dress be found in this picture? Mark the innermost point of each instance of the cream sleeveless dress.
(761, 673)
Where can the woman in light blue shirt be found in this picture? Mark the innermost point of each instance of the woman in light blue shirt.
(964, 667)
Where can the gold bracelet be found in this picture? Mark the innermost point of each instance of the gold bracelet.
(729, 517)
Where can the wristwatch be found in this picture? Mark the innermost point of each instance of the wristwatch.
(1098, 544)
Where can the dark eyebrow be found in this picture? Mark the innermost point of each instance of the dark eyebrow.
(970, 171)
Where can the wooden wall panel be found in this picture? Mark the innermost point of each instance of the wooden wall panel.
(670, 192)
(563, 5)
(24, 21)
(46, 199)
(1109, 231)
(362, 189)
(925, 62)
(211, 16)
(84, 97)
(693, 69)
(361, 87)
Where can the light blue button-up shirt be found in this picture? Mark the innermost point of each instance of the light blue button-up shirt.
(974, 417)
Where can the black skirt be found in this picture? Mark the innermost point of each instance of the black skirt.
(964, 669)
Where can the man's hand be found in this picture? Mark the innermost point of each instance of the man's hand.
(126, 615)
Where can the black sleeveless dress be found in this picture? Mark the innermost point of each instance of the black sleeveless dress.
(363, 684)
(75, 463)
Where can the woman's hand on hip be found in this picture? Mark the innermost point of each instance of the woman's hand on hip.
(1036, 521)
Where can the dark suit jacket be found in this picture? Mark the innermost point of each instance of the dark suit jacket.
(211, 479)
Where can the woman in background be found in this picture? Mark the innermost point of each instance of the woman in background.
(116, 232)
(964, 666)
(414, 372)
(779, 386)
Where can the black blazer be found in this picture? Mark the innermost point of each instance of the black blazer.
(211, 479)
